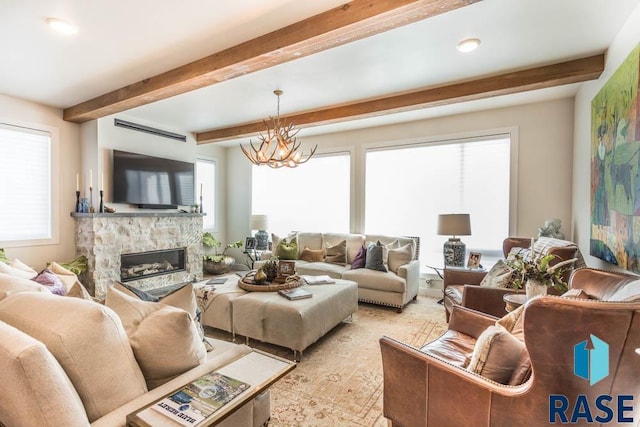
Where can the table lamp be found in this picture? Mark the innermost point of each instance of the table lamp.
(260, 223)
(454, 225)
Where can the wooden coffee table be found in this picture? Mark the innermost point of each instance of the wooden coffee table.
(258, 369)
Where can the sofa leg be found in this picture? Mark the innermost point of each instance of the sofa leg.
(399, 310)
(415, 298)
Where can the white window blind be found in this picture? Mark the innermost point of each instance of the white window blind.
(206, 179)
(408, 187)
(315, 196)
(25, 194)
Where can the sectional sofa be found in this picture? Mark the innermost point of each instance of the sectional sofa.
(67, 361)
(395, 287)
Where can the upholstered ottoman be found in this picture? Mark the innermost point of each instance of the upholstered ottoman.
(216, 306)
(271, 318)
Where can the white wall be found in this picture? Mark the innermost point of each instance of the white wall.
(18, 110)
(625, 41)
(545, 133)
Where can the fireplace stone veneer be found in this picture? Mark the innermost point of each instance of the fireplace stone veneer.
(104, 237)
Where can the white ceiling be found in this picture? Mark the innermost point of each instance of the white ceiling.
(120, 42)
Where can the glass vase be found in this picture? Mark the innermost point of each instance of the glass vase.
(534, 288)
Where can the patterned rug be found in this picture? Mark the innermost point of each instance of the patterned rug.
(339, 380)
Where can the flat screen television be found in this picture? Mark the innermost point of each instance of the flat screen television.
(152, 182)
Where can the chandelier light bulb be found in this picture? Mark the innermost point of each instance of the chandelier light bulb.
(61, 26)
(468, 45)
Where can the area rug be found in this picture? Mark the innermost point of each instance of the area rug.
(339, 380)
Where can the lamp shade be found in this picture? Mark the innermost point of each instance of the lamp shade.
(454, 225)
(259, 222)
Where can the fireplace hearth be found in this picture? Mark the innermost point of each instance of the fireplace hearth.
(151, 263)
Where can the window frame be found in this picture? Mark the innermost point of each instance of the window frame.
(216, 186)
(470, 136)
(332, 151)
(55, 205)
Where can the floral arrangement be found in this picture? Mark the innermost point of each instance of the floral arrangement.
(537, 269)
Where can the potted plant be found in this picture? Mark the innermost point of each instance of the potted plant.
(217, 262)
(536, 275)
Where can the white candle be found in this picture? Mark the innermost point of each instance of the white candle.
(200, 189)
(77, 182)
(101, 182)
(90, 178)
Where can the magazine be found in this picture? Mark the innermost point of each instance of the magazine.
(318, 280)
(197, 400)
(295, 293)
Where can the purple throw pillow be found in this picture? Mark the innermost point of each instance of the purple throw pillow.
(360, 259)
(50, 280)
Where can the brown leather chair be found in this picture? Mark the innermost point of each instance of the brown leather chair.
(461, 286)
(431, 386)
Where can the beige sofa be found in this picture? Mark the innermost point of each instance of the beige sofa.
(391, 288)
(68, 361)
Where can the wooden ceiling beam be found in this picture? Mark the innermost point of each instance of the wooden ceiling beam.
(575, 71)
(352, 21)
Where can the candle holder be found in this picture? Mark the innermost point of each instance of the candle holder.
(200, 203)
(101, 209)
(91, 209)
(77, 201)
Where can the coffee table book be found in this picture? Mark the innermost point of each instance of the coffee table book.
(295, 293)
(259, 370)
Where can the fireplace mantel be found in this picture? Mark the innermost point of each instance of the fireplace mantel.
(103, 237)
(135, 214)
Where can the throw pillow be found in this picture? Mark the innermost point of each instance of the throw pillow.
(39, 386)
(164, 339)
(499, 276)
(49, 279)
(11, 284)
(18, 269)
(182, 297)
(577, 293)
(287, 250)
(385, 249)
(312, 255)
(360, 259)
(71, 282)
(374, 258)
(337, 254)
(399, 256)
(496, 354)
(513, 322)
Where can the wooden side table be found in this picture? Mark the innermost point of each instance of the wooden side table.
(513, 301)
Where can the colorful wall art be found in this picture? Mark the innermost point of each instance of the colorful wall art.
(615, 168)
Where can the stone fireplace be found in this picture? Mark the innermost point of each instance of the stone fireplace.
(148, 250)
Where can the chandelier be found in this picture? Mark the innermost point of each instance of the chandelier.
(278, 146)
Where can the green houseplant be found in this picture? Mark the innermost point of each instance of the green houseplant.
(217, 261)
(536, 275)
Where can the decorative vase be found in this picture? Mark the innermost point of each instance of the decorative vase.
(534, 288)
(218, 267)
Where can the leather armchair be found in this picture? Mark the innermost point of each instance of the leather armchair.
(430, 386)
(461, 285)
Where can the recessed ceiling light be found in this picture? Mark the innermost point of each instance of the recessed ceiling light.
(61, 26)
(468, 45)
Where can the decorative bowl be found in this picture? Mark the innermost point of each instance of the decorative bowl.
(218, 267)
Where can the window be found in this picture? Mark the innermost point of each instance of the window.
(206, 179)
(26, 172)
(312, 197)
(408, 186)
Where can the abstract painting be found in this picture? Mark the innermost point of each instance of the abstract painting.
(615, 168)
